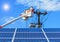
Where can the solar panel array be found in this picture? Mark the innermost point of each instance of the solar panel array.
(29, 35)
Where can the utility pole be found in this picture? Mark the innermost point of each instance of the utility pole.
(38, 13)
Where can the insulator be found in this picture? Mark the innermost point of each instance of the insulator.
(32, 25)
(45, 13)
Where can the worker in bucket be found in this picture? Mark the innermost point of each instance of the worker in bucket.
(27, 13)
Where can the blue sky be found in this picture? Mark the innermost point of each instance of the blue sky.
(16, 7)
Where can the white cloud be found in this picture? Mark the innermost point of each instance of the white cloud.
(50, 5)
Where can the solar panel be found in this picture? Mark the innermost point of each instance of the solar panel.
(29, 35)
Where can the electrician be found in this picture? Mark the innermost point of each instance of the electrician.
(27, 13)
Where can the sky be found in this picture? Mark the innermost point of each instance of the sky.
(10, 9)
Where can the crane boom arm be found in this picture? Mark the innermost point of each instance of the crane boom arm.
(11, 21)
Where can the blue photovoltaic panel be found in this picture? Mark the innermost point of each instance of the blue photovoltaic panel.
(52, 35)
(29, 35)
(6, 34)
(30, 40)
(29, 30)
(7, 30)
(5, 40)
(52, 29)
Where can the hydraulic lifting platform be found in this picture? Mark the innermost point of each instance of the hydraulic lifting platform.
(27, 14)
